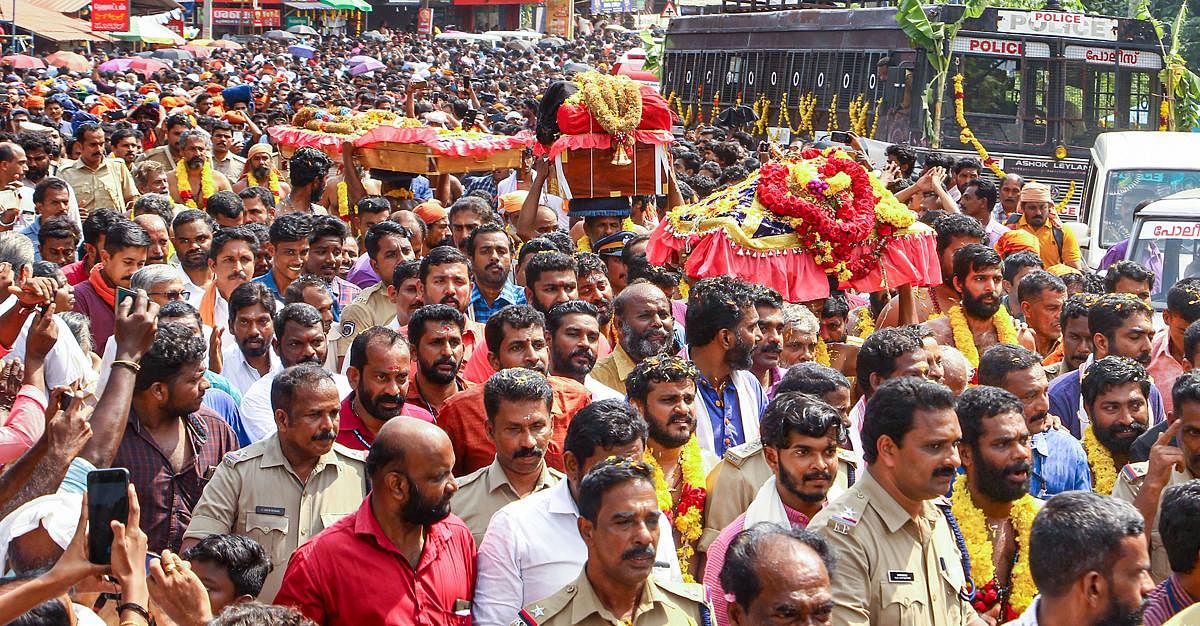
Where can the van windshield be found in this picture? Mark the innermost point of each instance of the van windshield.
(1125, 189)
(1170, 249)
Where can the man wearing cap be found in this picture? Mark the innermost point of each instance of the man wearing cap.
(1057, 244)
(437, 223)
(260, 166)
(609, 248)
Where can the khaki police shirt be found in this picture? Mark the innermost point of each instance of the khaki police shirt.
(109, 186)
(661, 604)
(369, 308)
(482, 492)
(255, 493)
(892, 569)
(162, 155)
(1127, 487)
(231, 166)
(735, 481)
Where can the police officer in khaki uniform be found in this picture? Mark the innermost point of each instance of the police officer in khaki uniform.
(98, 182)
(285, 489)
(619, 523)
(387, 244)
(899, 564)
(735, 481)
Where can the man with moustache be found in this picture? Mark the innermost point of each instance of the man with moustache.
(191, 236)
(1121, 325)
(516, 337)
(160, 240)
(800, 435)
(1174, 459)
(231, 261)
(573, 332)
(1058, 462)
(596, 289)
(1041, 296)
(124, 253)
(977, 277)
(518, 404)
(765, 365)
(735, 481)
(402, 538)
(1114, 392)
(251, 313)
(288, 249)
(445, 276)
(490, 250)
(954, 231)
(299, 338)
(618, 520)
(325, 260)
(1168, 359)
(1076, 344)
(533, 546)
(379, 365)
(899, 559)
(435, 334)
(387, 245)
(404, 293)
(258, 164)
(287, 488)
(996, 454)
(194, 148)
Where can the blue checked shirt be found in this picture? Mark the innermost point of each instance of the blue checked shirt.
(509, 294)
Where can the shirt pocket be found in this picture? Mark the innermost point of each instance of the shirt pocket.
(271, 531)
(902, 604)
(85, 191)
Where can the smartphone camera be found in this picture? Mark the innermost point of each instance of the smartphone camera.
(108, 500)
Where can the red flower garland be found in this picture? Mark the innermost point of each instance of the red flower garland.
(987, 596)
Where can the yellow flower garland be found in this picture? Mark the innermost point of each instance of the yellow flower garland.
(833, 114)
(343, 193)
(966, 136)
(866, 322)
(964, 340)
(207, 185)
(690, 525)
(1100, 462)
(585, 243)
(973, 525)
(615, 102)
(272, 183)
(821, 354)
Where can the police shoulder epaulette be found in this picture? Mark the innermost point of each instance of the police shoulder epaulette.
(846, 515)
(357, 455)
(847, 456)
(738, 455)
(547, 608)
(243, 454)
(1132, 472)
(692, 591)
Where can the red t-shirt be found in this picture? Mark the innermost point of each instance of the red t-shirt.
(353, 434)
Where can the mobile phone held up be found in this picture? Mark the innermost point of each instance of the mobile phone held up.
(123, 293)
(840, 136)
(108, 500)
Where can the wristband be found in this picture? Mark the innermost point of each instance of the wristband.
(136, 608)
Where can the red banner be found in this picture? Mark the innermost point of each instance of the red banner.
(424, 21)
(259, 18)
(110, 16)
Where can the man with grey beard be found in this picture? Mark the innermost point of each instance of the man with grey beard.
(645, 327)
(266, 482)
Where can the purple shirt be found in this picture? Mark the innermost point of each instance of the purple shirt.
(100, 314)
(362, 274)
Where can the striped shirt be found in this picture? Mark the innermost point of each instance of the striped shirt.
(1167, 599)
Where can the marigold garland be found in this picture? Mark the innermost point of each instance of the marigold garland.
(1062, 204)
(875, 121)
(207, 185)
(866, 322)
(687, 516)
(272, 183)
(615, 102)
(585, 243)
(821, 354)
(964, 339)
(966, 136)
(343, 195)
(1100, 462)
(859, 109)
(833, 114)
(1164, 115)
(973, 525)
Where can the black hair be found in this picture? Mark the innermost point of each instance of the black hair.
(324, 226)
(1185, 389)
(98, 223)
(603, 424)
(740, 575)
(1183, 299)
(378, 232)
(1037, 282)
(179, 309)
(1191, 340)
(174, 346)
(535, 245)
(554, 317)
(892, 409)
(52, 612)
(484, 229)
(562, 241)
(247, 295)
(661, 276)
(800, 413)
(225, 204)
(373, 205)
(441, 255)
(30, 141)
(433, 313)
(588, 263)
(516, 316)
(307, 165)
(125, 234)
(186, 216)
(263, 194)
(967, 163)
(835, 306)
(226, 235)
(45, 269)
(1131, 270)
(301, 313)
(58, 227)
(979, 403)
(660, 368)
(986, 190)
(939, 159)
(548, 262)
(1076, 306)
(515, 384)
(715, 304)
(405, 271)
(1078, 532)
(1178, 518)
(606, 476)
(291, 227)
(880, 351)
(904, 154)
(973, 258)
(46, 184)
(259, 614)
(155, 204)
(813, 379)
(1002, 359)
(628, 256)
(1109, 372)
(178, 119)
(1017, 261)
(242, 558)
(1110, 312)
(952, 226)
(295, 290)
(356, 356)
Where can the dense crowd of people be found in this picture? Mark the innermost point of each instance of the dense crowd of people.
(345, 396)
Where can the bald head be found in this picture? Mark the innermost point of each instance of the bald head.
(637, 293)
(956, 370)
(12, 163)
(411, 467)
(406, 441)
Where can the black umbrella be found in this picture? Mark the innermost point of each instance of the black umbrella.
(520, 45)
(550, 42)
(734, 116)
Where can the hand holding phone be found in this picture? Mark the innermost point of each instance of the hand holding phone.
(122, 294)
(108, 501)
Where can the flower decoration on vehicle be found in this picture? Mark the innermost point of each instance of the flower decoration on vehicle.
(965, 135)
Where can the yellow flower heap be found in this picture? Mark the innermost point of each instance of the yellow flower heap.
(615, 102)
